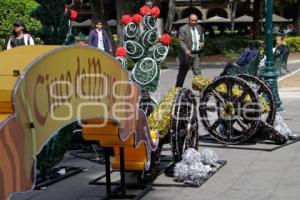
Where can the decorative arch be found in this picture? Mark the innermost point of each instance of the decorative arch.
(191, 10)
(216, 11)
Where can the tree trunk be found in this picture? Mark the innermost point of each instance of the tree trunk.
(97, 9)
(298, 16)
(120, 12)
(171, 16)
(256, 19)
(233, 13)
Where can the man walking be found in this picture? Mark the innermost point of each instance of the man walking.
(99, 38)
(191, 42)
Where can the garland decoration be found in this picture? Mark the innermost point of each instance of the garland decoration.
(160, 118)
(148, 38)
(149, 22)
(199, 83)
(134, 50)
(159, 52)
(146, 73)
(130, 30)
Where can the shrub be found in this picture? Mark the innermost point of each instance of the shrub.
(10, 10)
(2, 44)
(229, 45)
(293, 43)
(224, 44)
(174, 47)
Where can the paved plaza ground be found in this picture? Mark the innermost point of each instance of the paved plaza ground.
(248, 175)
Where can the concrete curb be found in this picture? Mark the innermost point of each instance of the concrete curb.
(289, 75)
(224, 63)
(289, 95)
(293, 61)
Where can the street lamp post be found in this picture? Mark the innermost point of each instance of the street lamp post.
(270, 75)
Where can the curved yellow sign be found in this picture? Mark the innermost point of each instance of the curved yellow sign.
(60, 85)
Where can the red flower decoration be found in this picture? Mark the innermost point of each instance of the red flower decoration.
(126, 19)
(155, 11)
(145, 10)
(121, 52)
(165, 39)
(73, 15)
(137, 18)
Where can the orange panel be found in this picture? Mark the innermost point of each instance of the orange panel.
(6, 107)
(108, 136)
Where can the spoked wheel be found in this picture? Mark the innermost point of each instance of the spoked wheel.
(184, 124)
(229, 110)
(265, 96)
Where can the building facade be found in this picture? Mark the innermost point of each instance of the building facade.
(203, 8)
(209, 8)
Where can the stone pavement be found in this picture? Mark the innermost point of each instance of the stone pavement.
(248, 174)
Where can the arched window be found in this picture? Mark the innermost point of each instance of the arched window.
(191, 10)
(216, 11)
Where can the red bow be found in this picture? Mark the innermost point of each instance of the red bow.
(121, 52)
(165, 39)
(73, 15)
(155, 11)
(137, 18)
(126, 19)
(145, 10)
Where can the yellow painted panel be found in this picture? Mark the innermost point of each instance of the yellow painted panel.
(3, 117)
(20, 57)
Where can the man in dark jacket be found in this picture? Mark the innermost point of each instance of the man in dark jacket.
(280, 48)
(99, 38)
(191, 42)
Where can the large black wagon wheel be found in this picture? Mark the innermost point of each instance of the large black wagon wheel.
(263, 91)
(229, 110)
(184, 124)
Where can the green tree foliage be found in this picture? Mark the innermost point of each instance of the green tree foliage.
(54, 21)
(10, 10)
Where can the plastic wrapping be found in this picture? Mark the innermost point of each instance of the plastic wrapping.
(281, 126)
(195, 166)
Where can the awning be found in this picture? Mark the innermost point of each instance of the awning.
(277, 18)
(244, 19)
(216, 19)
(88, 22)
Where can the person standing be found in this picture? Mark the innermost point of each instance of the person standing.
(99, 38)
(19, 36)
(174, 32)
(280, 47)
(191, 42)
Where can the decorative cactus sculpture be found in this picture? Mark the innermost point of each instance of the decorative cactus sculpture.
(144, 47)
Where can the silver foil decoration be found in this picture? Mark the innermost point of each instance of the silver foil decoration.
(281, 126)
(209, 157)
(191, 156)
(195, 166)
